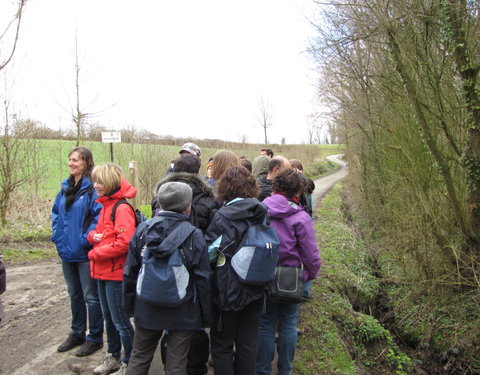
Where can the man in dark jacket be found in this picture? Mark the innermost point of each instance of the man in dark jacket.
(204, 205)
(276, 165)
(195, 310)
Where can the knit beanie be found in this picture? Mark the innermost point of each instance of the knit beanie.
(174, 196)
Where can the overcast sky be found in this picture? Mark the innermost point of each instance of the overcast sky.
(185, 68)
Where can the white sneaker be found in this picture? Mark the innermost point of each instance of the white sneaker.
(122, 370)
(109, 364)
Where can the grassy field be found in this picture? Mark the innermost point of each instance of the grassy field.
(29, 211)
(152, 160)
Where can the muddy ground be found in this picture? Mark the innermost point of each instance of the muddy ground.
(37, 316)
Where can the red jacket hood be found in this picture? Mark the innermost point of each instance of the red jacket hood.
(126, 191)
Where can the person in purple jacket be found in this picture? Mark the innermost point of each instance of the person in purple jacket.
(297, 246)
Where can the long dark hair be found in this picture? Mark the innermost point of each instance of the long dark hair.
(87, 156)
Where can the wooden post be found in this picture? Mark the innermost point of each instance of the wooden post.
(134, 181)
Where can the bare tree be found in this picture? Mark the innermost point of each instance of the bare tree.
(12, 154)
(14, 23)
(264, 117)
(17, 150)
(77, 110)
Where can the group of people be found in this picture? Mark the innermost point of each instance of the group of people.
(103, 252)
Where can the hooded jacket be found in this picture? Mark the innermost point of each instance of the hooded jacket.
(67, 226)
(204, 205)
(223, 237)
(195, 310)
(295, 230)
(108, 256)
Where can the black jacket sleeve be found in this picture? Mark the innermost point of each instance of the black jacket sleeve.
(132, 268)
(201, 276)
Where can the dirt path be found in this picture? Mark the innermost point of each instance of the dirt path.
(38, 315)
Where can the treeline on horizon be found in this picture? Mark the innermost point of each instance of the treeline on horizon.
(130, 134)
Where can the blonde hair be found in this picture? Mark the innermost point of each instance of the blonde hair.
(222, 160)
(109, 175)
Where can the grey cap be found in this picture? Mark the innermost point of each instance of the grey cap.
(191, 148)
(174, 196)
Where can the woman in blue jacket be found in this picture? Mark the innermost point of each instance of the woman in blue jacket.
(74, 214)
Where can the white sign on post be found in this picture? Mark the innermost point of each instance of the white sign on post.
(111, 137)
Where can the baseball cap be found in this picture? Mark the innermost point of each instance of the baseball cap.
(191, 148)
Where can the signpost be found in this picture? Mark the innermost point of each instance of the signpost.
(111, 137)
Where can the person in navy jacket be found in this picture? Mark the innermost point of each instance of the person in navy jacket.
(194, 312)
(74, 213)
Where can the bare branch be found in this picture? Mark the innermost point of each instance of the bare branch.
(17, 17)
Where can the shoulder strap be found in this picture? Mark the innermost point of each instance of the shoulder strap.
(177, 236)
(115, 206)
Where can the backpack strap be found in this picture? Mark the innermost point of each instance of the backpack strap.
(115, 206)
(177, 236)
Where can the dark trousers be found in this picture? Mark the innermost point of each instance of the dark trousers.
(239, 330)
(145, 343)
(197, 355)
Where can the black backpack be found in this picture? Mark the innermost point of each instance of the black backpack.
(139, 217)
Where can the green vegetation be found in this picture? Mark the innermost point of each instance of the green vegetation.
(28, 255)
(402, 79)
(153, 159)
(30, 208)
(339, 336)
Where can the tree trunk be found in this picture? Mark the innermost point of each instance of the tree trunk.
(468, 69)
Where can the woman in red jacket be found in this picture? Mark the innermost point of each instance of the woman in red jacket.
(107, 259)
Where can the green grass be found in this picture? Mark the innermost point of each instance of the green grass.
(338, 338)
(28, 255)
(51, 157)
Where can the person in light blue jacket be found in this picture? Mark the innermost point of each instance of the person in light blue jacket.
(74, 214)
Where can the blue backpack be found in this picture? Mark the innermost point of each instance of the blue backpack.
(164, 278)
(255, 260)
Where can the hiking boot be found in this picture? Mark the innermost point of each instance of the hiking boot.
(122, 370)
(109, 364)
(88, 347)
(71, 342)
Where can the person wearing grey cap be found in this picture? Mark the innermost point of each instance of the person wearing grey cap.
(187, 148)
(194, 312)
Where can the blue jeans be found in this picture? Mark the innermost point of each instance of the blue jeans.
(283, 317)
(83, 293)
(118, 326)
(306, 289)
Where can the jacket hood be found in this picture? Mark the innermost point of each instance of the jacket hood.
(197, 184)
(125, 191)
(280, 207)
(244, 209)
(160, 227)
